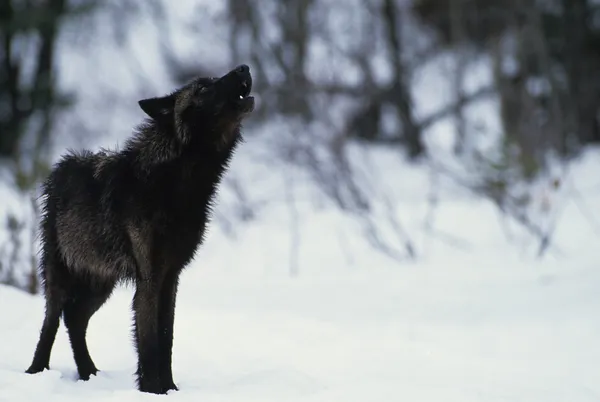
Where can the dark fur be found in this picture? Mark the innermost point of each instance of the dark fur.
(137, 215)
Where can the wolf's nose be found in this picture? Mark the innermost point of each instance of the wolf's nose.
(242, 69)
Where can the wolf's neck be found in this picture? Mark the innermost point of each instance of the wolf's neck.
(197, 160)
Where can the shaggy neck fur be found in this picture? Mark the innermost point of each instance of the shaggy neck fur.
(190, 166)
(154, 147)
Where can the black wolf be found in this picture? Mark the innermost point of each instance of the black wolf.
(137, 215)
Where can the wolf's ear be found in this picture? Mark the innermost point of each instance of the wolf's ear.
(158, 107)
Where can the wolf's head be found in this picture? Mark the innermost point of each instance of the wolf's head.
(207, 109)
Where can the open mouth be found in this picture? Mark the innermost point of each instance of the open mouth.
(246, 86)
(245, 102)
(238, 84)
(245, 90)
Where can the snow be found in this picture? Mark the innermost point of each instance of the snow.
(458, 329)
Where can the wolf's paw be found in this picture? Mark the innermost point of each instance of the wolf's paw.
(84, 375)
(33, 369)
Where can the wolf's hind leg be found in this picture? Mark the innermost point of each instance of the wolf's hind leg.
(55, 295)
(82, 303)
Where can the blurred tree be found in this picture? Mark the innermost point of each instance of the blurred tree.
(29, 99)
(546, 57)
(28, 32)
(394, 98)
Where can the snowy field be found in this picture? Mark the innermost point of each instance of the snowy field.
(487, 324)
(518, 334)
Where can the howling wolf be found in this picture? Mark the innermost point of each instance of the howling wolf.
(137, 215)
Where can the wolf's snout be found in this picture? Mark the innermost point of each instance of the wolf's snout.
(242, 73)
(236, 86)
(242, 69)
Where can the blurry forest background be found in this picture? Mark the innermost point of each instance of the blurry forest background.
(334, 79)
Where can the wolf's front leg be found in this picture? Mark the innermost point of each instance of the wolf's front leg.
(145, 305)
(166, 318)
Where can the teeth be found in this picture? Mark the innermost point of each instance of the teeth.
(245, 90)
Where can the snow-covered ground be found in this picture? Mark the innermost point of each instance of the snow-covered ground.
(467, 329)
